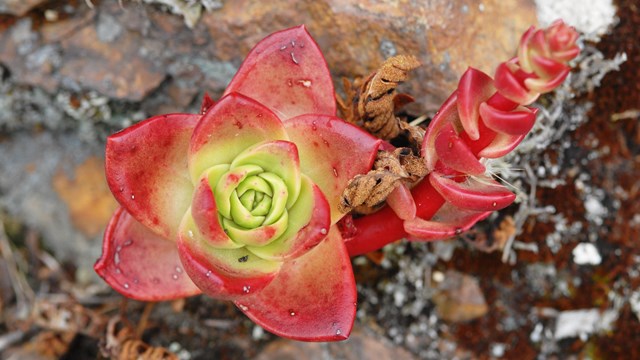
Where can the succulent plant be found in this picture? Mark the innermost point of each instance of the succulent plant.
(239, 202)
(483, 118)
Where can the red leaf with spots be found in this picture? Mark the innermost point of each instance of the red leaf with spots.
(146, 168)
(313, 298)
(287, 73)
(140, 264)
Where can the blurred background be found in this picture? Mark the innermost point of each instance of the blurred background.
(556, 275)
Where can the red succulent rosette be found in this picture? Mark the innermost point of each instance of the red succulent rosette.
(240, 202)
(483, 118)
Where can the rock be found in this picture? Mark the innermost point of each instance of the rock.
(583, 322)
(359, 346)
(109, 62)
(458, 297)
(87, 196)
(28, 193)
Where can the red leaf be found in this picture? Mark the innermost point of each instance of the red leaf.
(234, 124)
(472, 194)
(146, 168)
(140, 264)
(287, 73)
(313, 298)
(455, 153)
(474, 88)
(447, 222)
(401, 201)
(515, 122)
(332, 152)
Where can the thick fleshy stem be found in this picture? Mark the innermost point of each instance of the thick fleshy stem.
(483, 118)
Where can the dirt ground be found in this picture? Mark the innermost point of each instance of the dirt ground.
(557, 275)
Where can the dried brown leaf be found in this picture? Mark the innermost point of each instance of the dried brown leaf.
(121, 344)
(47, 345)
(67, 316)
(367, 193)
(373, 105)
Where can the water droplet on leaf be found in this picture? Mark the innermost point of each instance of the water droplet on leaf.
(305, 83)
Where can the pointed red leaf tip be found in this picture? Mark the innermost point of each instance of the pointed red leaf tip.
(501, 145)
(332, 152)
(140, 264)
(313, 298)
(472, 194)
(235, 123)
(207, 103)
(510, 86)
(455, 154)
(146, 169)
(205, 216)
(544, 85)
(287, 73)
(474, 88)
(447, 222)
(516, 122)
(222, 273)
(546, 67)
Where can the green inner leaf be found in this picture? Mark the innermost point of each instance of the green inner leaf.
(255, 183)
(248, 199)
(241, 215)
(262, 206)
(259, 236)
(301, 213)
(277, 159)
(228, 183)
(279, 199)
